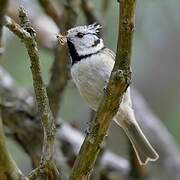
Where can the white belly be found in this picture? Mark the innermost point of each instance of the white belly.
(91, 76)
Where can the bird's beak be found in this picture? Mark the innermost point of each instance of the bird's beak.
(62, 38)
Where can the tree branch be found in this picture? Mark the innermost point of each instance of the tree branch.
(27, 35)
(118, 83)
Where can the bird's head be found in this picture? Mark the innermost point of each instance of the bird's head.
(84, 40)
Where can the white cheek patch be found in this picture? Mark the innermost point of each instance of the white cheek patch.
(89, 40)
(88, 45)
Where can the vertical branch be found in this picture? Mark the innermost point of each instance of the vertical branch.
(118, 83)
(3, 7)
(26, 33)
(39, 87)
(126, 29)
(8, 168)
(61, 64)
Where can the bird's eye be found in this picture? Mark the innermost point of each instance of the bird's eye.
(80, 35)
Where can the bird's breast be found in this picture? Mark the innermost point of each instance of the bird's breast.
(91, 76)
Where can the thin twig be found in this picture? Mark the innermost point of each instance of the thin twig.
(3, 7)
(27, 35)
(34, 173)
(61, 65)
(118, 83)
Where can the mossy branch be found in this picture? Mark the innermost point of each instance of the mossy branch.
(118, 83)
(26, 33)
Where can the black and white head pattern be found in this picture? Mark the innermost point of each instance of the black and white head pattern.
(84, 41)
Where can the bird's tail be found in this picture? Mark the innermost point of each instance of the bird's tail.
(144, 151)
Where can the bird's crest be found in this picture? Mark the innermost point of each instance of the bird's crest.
(94, 27)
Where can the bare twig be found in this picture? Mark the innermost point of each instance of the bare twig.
(118, 83)
(52, 10)
(27, 35)
(61, 65)
(3, 7)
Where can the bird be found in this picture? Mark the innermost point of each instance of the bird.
(91, 66)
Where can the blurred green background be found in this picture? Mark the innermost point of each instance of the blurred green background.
(156, 61)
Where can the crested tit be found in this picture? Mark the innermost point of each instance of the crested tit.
(92, 64)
